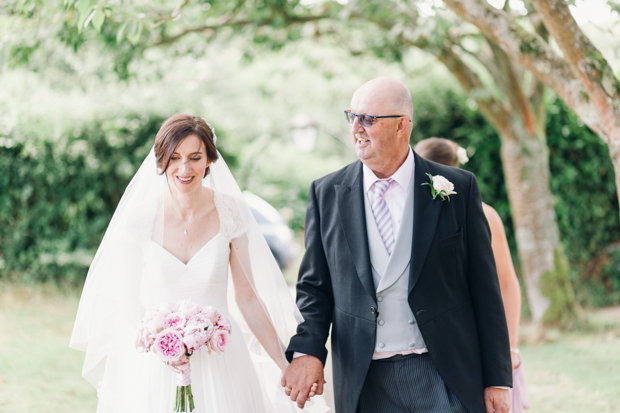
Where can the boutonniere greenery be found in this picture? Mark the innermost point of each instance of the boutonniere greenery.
(440, 187)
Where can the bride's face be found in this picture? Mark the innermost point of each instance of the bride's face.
(187, 165)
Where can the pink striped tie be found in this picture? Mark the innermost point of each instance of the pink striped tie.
(382, 214)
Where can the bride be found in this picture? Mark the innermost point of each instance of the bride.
(182, 231)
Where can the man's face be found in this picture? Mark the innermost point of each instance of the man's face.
(379, 146)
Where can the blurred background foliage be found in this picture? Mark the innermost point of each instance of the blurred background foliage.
(76, 122)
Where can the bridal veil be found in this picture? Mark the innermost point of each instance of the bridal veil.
(111, 304)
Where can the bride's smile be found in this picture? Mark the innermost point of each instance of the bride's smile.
(187, 165)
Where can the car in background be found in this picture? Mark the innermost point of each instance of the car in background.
(278, 235)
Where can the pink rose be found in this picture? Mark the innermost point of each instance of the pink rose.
(141, 345)
(219, 341)
(167, 308)
(211, 313)
(198, 319)
(202, 321)
(194, 337)
(148, 338)
(156, 323)
(175, 320)
(169, 345)
(188, 308)
(223, 323)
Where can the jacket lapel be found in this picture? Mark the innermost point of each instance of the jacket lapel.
(425, 217)
(350, 200)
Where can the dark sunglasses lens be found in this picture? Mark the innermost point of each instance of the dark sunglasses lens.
(349, 116)
(365, 120)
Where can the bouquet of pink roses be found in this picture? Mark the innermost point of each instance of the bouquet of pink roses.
(174, 330)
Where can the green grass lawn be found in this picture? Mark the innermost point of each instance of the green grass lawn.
(576, 372)
(38, 370)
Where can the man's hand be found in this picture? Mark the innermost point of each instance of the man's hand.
(300, 376)
(497, 400)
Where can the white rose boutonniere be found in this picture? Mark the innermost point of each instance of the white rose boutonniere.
(440, 187)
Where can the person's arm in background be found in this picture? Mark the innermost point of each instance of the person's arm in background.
(508, 282)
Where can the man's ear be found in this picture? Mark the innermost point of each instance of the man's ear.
(403, 123)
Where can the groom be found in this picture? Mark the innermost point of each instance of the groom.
(406, 281)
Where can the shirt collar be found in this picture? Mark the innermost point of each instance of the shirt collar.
(402, 176)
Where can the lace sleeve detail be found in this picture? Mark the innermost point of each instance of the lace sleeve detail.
(232, 215)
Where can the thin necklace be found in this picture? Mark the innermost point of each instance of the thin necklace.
(181, 222)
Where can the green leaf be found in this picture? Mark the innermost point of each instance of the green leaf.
(98, 19)
(135, 31)
(90, 17)
(121, 33)
(83, 8)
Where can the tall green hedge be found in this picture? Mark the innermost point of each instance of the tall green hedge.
(57, 196)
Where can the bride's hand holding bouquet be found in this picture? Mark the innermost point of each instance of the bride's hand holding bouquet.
(174, 331)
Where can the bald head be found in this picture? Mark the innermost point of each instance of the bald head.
(382, 145)
(389, 93)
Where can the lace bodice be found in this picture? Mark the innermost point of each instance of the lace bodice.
(231, 221)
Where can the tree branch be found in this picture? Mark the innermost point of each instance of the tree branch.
(513, 87)
(532, 52)
(536, 90)
(491, 108)
(585, 60)
(228, 22)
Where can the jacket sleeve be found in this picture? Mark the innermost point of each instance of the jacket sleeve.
(314, 290)
(486, 295)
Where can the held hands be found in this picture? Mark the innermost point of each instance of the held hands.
(303, 379)
(496, 400)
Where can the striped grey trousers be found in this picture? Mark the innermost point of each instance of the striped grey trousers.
(407, 384)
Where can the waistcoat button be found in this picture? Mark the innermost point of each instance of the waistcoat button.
(411, 321)
(412, 344)
(379, 298)
(381, 345)
(381, 322)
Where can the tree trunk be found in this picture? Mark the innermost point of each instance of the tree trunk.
(525, 160)
(519, 119)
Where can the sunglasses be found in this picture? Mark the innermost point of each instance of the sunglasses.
(367, 120)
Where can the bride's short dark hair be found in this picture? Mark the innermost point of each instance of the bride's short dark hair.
(177, 128)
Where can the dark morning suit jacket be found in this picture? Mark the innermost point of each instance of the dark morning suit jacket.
(453, 286)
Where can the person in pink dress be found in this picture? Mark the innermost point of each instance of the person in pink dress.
(447, 152)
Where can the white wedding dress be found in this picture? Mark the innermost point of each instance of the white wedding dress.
(132, 272)
(221, 383)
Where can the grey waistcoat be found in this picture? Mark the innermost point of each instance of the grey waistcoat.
(397, 329)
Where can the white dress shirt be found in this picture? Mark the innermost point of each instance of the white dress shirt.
(396, 195)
